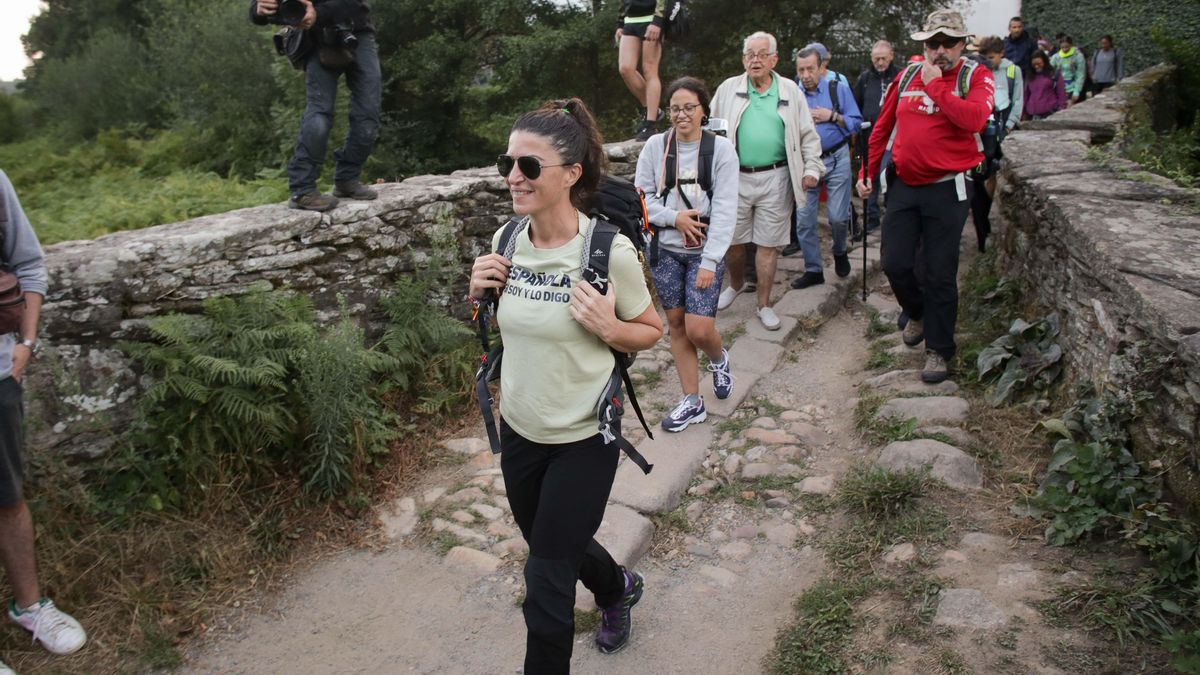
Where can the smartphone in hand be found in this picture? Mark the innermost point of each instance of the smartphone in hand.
(690, 243)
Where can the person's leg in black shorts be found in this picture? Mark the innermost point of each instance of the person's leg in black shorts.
(558, 494)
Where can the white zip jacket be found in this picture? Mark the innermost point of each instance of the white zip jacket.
(802, 143)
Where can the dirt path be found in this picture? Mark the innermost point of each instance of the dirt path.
(405, 610)
(725, 561)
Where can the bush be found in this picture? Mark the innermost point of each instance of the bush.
(106, 86)
(251, 390)
(1027, 357)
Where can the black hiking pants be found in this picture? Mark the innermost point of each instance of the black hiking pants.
(558, 494)
(926, 221)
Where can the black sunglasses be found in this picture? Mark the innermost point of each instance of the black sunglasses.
(530, 166)
(947, 42)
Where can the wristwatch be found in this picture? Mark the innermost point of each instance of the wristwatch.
(34, 346)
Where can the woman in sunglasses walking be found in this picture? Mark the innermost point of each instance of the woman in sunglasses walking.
(557, 332)
(690, 177)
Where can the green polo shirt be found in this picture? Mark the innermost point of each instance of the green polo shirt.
(760, 137)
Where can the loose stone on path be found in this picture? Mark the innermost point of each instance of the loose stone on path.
(946, 462)
(925, 410)
(968, 608)
(816, 485)
(470, 560)
(466, 446)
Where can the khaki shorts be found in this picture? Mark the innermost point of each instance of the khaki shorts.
(765, 205)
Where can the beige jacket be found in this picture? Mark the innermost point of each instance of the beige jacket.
(800, 133)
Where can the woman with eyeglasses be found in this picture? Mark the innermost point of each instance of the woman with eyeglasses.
(557, 332)
(690, 177)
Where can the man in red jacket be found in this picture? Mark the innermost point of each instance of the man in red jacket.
(930, 120)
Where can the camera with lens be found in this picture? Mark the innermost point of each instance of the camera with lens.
(289, 13)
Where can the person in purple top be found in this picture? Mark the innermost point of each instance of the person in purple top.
(1045, 92)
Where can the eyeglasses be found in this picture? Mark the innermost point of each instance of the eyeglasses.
(686, 110)
(531, 167)
(947, 42)
(760, 56)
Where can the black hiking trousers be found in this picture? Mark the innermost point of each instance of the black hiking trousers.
(558, 493)
(926, 221)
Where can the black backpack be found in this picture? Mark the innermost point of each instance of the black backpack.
(704, 177)
(619, 209)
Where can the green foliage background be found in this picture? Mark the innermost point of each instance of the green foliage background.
(1130, 22)
(146, 111)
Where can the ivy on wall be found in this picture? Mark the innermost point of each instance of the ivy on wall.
(1132, 23)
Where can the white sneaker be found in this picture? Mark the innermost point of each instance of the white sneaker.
(55, 629)
(727, 296)
(768, 318)
(5, 670)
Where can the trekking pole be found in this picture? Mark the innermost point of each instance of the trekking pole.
(865, 156)
(864, 247)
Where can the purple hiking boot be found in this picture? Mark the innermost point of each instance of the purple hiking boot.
(616, 622)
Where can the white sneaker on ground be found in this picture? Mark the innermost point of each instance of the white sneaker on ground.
(727, 296)
(768, 318)
(58, 632)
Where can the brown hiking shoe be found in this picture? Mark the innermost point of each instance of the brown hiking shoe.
(914, 332)
(935, 369)
(354, 190)
(313, 201)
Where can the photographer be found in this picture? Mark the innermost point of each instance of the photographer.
(339, 39)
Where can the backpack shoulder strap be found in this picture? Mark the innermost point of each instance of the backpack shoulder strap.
(1011, 76)
(597, 246)
(963, 84)
(489, 362)
(507, 244)
(833, 95)
(670, 159)
(704, 170)
(910, 73)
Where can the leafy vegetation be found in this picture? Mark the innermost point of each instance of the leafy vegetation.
(1028, 356)
(261, 430)
(1129, 24)
(252, 388)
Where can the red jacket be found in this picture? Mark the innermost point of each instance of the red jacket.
(932, 141)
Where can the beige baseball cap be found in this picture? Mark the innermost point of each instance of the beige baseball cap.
(945, 22)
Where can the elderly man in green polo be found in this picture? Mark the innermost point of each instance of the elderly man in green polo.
(779, 153)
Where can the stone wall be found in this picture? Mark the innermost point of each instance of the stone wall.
(102, 291)
(1116, 251)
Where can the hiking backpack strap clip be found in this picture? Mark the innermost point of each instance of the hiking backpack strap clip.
(489, 362)
(609, 408)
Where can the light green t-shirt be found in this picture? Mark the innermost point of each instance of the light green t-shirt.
(760, 134)
(554, 370)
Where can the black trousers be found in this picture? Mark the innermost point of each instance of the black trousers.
(558, 494)
(926, 221)
(12, 467)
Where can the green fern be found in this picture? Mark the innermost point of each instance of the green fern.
(345, 425)
(415, 334)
